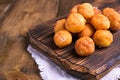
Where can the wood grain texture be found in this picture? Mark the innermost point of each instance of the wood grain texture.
(15, 61)
(92, 67)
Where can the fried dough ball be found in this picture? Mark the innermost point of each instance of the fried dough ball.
(87, 31)
(74, 9)
(84, 46)
(100, 22)
(97, 11)
(75, 23)
(62, 38)
(103, 38)
(114, 18)
(86, 10)
(60, 25)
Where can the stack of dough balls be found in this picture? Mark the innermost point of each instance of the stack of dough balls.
(91, 25)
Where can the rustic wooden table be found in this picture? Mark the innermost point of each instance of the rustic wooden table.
(16, 17)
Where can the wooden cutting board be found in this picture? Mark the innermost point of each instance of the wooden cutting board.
(92, 67)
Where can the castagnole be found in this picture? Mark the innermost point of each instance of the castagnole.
(84, 46)
(75, 22)
(100, 22)
(87, 31)
(114, 18)
(60, 25)
(86, 10)
(62, 38)
(97, 11)
(103, 38)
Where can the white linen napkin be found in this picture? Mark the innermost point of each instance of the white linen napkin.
(51, 71)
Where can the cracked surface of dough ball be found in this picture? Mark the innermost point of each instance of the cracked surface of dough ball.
(62, 38)
(75, 23)
(100, 22)
(87, 31)
(84, 46)
(114, 18)
(60, 25)
(86, 10)
(103, 38)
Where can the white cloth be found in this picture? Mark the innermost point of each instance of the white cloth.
(50, 71)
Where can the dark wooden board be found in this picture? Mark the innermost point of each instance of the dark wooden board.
(91, 67)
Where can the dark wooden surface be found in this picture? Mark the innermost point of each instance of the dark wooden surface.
(15, 62)
(16, 19)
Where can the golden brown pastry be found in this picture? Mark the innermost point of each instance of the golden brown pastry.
(103, 38)
(86, 10)
(87, 31)
(74, 9)
(114, 18)
(97, 11)
(84, 46)
(62, 38)
(100, 22)
(75, 23)
(60, 25)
